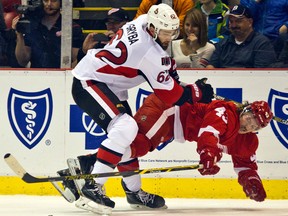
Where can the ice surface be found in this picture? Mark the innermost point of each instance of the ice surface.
(22, 205)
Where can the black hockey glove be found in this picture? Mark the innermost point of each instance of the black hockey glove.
(206, 89)
(173, 72)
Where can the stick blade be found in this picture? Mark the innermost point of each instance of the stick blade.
(20, 171)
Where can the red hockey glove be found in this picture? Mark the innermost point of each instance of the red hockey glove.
(208, 158)
(206, 89)
(252, 185)
(195, 92)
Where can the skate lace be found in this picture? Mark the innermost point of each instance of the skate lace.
(145, 197)
(97, 189)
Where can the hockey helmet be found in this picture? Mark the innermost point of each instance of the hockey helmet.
(262, 112)
(162, 16)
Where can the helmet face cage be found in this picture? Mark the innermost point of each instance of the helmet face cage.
(163, 17)
(262, 112)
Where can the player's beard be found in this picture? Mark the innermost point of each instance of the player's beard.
(163, 45)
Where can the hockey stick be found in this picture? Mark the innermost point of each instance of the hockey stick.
(240, 105)
(25, 176)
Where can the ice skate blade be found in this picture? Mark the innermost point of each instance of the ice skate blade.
(74, 168)
(143, 207)
(67, 194)
(88, 205)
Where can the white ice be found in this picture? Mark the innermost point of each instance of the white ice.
(23, 205)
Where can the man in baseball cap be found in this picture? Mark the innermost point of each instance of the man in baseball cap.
(117, 14)
(240, 11)
(116, 18)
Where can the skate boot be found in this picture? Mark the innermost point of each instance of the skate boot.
(69, 184)
(142, 199)
(96, 193)
(87, 163)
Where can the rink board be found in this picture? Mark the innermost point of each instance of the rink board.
(59, 131)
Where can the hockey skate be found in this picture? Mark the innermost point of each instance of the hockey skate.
(92, 195)
(87, 163)
(70, 192)
(143, 200)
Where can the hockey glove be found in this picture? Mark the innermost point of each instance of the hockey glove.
(208, 158)
(173, 72)
(206, 89)
(195, 93)
(252, 185)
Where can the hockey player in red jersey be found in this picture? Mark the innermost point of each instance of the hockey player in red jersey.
(101, 81)
(218, 127)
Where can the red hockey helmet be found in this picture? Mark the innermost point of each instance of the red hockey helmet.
(262, 112)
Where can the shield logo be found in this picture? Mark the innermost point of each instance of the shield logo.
(278, 102)
(30, 115)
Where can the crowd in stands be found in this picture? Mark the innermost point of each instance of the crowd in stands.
(257, 38)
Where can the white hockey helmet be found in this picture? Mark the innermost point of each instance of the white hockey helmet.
(162, 16)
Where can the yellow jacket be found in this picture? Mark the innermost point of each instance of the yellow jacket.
(179, 6)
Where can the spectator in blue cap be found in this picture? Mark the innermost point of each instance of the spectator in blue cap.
(243, 48)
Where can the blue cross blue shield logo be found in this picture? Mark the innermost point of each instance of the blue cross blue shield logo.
(30, 115)
(278, 102)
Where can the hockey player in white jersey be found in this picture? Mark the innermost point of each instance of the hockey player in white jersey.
(135, 55)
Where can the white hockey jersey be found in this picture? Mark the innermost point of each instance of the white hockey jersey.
(131, 58)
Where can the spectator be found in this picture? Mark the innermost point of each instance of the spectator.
(282, 61)
(215, 11)
(179, 6)
(7, 35)
(2, 41)
(244, 48)
(270, 19)
(41, 42)
(2, 21)
(284, 53)
(193, 50)
(115, 19)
